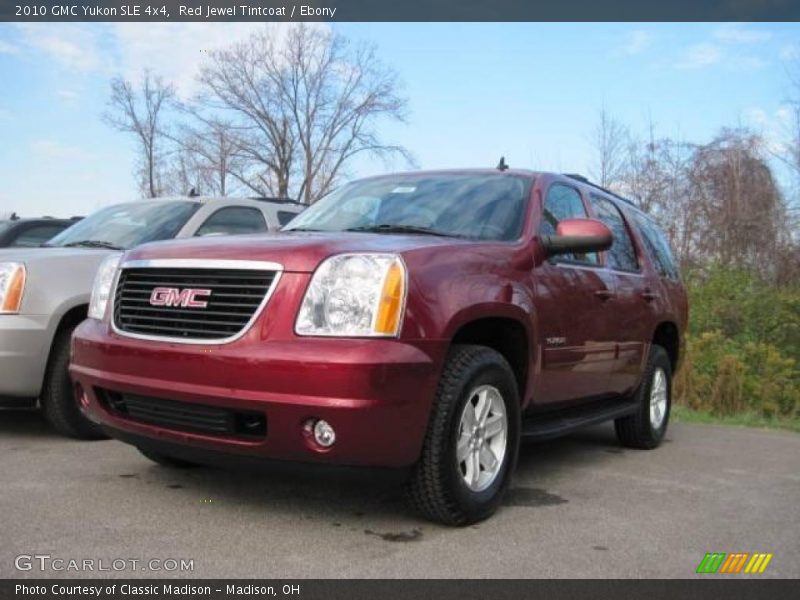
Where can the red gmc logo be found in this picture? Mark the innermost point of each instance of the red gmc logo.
(187, 298)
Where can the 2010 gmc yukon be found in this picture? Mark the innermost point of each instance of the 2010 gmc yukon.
(429, 320)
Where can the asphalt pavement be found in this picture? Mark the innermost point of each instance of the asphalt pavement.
(581, 506)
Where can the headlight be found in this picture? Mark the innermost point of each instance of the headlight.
(102, 286)
(355, 295)
(12, 285)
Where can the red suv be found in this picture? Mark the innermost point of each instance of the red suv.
(429, 320)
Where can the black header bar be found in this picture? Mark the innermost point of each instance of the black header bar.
(733, 588)
(400, 10)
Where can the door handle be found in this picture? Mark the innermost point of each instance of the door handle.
(604, 294)
(649, 296)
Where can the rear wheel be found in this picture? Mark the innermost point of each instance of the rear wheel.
(646, 428)
(59, 405)
(472, 440)
(166, 461)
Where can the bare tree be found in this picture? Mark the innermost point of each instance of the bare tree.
(610, 140)
(677, 214)
(643, 177)
(739, 201)
(141, 112)
(301, 107)
(208, 154)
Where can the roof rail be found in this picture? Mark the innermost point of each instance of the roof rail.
(582, 179)
(276, 200)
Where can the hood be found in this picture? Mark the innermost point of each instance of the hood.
(46, 254)
(296, 251)
(58, 278)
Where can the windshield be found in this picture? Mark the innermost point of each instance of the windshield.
(127, 225)
(476, 206)
(5, 225)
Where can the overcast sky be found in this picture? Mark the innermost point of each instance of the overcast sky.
(531, 92)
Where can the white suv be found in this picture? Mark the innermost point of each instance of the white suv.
(44, 292)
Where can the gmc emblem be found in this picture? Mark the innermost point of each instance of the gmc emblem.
(187, 298)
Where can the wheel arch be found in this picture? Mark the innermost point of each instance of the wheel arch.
(508, 335)
(667, 335)
(70, 318)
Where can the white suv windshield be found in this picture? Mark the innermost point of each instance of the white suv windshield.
(128, 225)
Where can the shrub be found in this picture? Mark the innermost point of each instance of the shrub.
(743, 347)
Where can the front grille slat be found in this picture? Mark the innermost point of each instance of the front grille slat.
(186, 311)
(146, 293)
(148, 285)
(235, 297)
(170, 274)
(200, 319)
(184, 416)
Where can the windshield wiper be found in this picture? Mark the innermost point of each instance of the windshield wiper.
(301, 229)
(93, 244)
(390, 228)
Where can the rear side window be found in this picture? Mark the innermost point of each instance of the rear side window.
(284, 216)
(564, 202)
(233, 220)
(622, 255)
(657, 247)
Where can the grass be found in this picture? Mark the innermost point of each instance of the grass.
(687, 415)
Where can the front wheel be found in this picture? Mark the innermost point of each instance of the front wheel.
(646, 428)
(472, 441)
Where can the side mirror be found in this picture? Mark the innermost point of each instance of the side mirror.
(578, 236)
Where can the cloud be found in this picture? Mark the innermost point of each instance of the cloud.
(174, 50)
(756, 116)
(75, 46)
(52, 149)
(8, 48)
(68, 95)
(775, 126)
(748, 62)
(636, 42)
(789, 52)
(699, 56)
(733, 33)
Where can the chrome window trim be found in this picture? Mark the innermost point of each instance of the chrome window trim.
(196, 263)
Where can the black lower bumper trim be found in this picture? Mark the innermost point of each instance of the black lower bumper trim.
(244, 462)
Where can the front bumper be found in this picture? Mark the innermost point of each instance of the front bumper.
(24, 343)
(375, 393)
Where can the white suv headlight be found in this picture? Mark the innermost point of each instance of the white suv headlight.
(355, 295)
(101, 291)
(12, 286)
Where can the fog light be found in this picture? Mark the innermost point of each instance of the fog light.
(324, 434)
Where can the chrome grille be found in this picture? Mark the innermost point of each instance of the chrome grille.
(229, 302)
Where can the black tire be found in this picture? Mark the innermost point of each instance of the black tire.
(637, 430)
(59, 405)
(437, 489)
(165, 460)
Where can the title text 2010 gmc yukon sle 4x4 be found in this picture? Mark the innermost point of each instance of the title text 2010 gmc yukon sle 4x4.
(427, 320)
